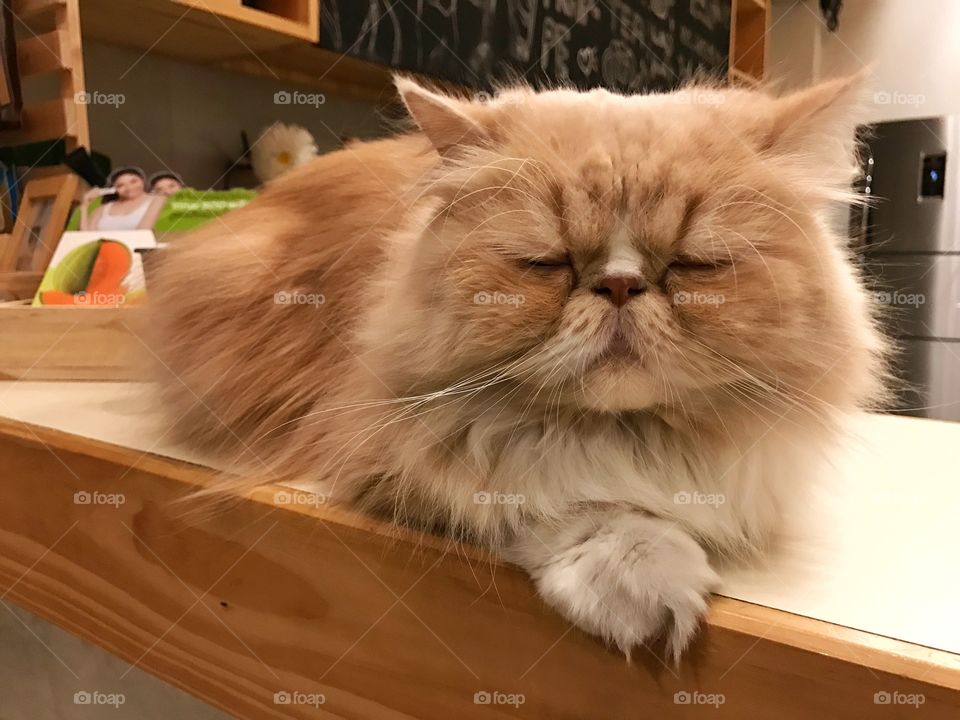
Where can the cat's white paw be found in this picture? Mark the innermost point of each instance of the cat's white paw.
(624, 576)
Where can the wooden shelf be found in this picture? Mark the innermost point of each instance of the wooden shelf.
(226, 34)
(295, 18)
(48, 45)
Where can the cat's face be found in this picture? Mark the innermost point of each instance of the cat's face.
(621, 254)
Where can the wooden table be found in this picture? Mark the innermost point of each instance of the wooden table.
(260, 603)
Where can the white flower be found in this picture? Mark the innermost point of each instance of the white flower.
(280, 149)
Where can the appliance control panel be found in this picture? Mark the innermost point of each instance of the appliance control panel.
(932, 171)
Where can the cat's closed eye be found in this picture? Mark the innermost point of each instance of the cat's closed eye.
(683, 263)
(559, 262)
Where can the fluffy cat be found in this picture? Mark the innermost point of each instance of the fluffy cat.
(604, 336)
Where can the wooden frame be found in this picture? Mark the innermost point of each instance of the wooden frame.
(748, 41)
(11, 97)
(263, 597)
(46, 204)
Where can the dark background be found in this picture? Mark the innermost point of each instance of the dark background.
(625, 45)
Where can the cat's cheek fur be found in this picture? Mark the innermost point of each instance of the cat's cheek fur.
(621, 574)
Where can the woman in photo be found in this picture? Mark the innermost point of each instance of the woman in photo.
(132, 209)
(166, 183)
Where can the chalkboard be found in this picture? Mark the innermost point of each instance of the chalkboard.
(625, 45)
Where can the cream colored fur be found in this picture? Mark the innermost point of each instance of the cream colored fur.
(465, 372)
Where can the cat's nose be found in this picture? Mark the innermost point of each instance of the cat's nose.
(618, 289)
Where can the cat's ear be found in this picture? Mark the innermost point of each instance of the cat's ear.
(831, 108)
(446, 121)
(813, 132)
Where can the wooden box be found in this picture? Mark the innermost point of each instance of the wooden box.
(69, 343)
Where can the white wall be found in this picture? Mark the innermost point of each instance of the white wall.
(189, 117)
(914, 46)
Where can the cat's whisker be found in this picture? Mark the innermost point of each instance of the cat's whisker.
(457, 387)
(770, 206)
(754, 383)
(766, 265)
(409, 412)
(779, 381)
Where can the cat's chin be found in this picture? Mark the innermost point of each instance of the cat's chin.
(618, 385)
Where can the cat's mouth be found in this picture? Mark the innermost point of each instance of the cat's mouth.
(621, 347)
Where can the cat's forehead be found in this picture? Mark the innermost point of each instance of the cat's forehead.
(629, 143)
(623, 168)
(652, 215)
(606, 198)
(599, 115)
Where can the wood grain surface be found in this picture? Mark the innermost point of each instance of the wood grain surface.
(272, 598)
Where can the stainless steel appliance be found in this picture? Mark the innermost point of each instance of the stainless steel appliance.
(910, 237)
